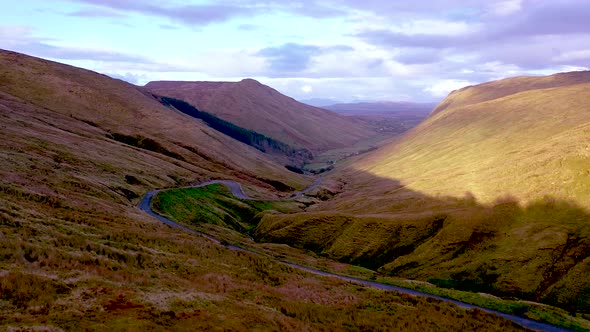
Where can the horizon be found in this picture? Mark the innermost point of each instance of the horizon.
(334, 50)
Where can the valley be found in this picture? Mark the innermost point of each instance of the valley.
(484, 202)
(538, 313)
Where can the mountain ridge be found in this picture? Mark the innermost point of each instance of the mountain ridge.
(508, 86)
(258, 107)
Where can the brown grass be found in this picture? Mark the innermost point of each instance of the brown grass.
(76, 254)
(257, 107)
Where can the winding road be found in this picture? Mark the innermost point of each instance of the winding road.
(236, 190)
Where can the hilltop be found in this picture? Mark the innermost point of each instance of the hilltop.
(258, 107)
(509, 86)
(490, 193)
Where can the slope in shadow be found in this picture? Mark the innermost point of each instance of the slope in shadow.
(539, 251)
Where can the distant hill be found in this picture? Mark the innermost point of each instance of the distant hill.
(386, 117)
(319, 102)
(491, 193)
(384, 107)
(258, 107)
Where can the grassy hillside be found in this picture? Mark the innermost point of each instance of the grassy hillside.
(509, 86)
(77, 149)
(214, 204)
(258, 141)
(257, 107)
(488, 196)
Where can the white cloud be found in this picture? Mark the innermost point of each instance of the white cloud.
(444, 87)
(306, 89)
(436, 27)
(573, 55)
(506, 7)
(14, 32)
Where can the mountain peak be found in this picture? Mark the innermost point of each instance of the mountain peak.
(250, 81)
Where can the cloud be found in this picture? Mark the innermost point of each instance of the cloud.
(392, 39)
(507, 7)
(96, 12)
(223, 10)
(128, 77)
(290, 57)
(168, 27)
(249, 27)
(307, 88)
(444, 87)
(573, 56)
(539, 19)
(370, 49)
(419, 55)
(22, 39)
(350, 89)
(198, 14)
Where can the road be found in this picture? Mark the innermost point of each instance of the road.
(236, 190)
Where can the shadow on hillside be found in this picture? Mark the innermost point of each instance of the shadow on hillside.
(538, 251)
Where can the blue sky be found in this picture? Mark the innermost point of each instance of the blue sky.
(341, 50)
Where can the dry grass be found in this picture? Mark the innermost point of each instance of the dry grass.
(257, 107)
(76, 254)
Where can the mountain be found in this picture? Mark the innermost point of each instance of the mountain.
(384, 107)
(78, 150)
(490, 193)
(258, 107)
(319, 102)
(522, 137)
(117, 113)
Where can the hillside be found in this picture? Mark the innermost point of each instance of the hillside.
(525, 144)
(509, 86)
(491, 193)
(77, 150)
(257, 107)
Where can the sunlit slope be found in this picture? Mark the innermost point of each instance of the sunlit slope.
(526, 145)
(505, 87)
(258, 107)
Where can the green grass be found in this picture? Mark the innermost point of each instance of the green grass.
(215, 204)
(328, 159)
(535, 311)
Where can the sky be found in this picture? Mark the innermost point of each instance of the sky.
(344, 51)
